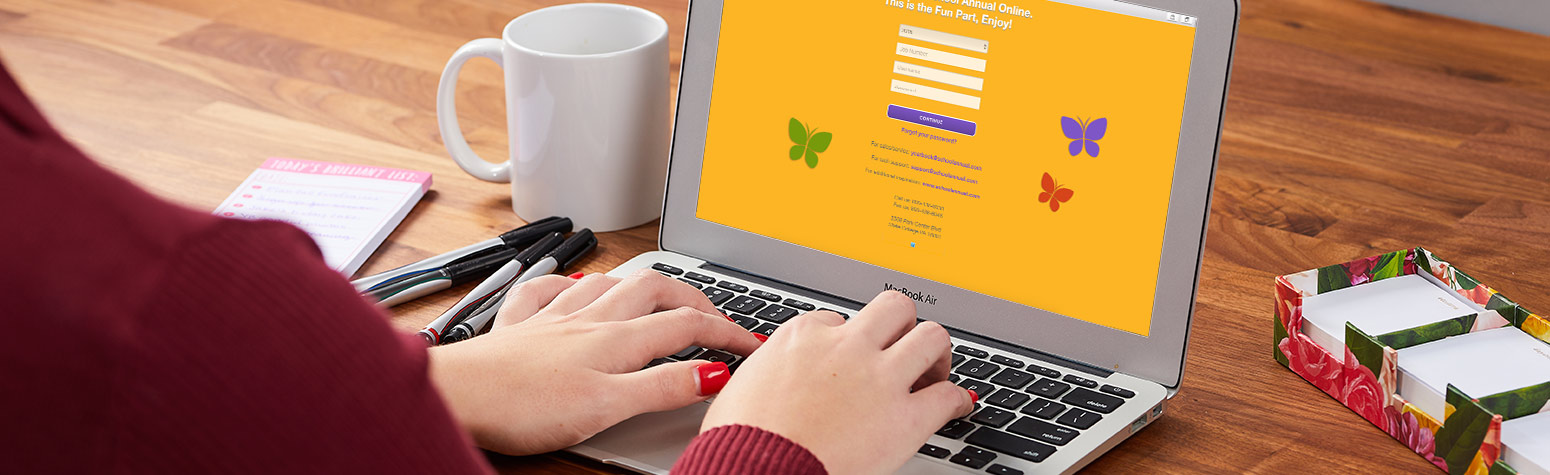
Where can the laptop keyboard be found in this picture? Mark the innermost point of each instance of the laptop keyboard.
(1025, 410)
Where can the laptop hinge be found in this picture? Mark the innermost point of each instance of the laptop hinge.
(956, 333)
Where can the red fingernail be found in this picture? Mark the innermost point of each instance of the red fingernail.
(576, 275)
(712, 377)
(761, 337)
(974, 397)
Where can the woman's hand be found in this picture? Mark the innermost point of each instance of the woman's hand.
(861, 395)
(564, 359)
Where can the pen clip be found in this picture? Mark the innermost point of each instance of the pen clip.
(540, 249)
(532, 232)
(463, 271)
(573, 249)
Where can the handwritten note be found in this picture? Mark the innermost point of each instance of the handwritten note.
(347, 209)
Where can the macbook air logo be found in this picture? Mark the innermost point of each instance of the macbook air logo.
(917, 296)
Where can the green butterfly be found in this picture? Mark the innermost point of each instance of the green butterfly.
(808, 142)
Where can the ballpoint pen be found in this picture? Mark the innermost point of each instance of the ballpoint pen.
(396, 291)
(567, 253)
(514, 239)
(486, 291)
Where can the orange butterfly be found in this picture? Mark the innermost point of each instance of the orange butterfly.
(1054, 193)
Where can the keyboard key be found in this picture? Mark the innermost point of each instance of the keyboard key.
(1080, 381)
(746, 322)
(977, 369)
(1042, 371)
(1012, 378)
(957, 358)
(975, 352)
(1004, 361)
(934, 451)
(744, 304)
(686, 353)
(979, 387)
(732, 286)
(660, 267)
(800, 305)
(1031, 450)
(1087, 399)
(717, 296)
(977, 453)
(701, 278)
(842, 314)
(998, 469)
(1044, 409)
(953, 378)
(968, 461)
(993, 417)
(776, 313)
(767, 329)
(1048, 388)
(955, 429)
(658, 361)
(1042, 431)
(765, 295)
(691, 283)
(1079, 418)
(717, 356)
(1008, 399)
(1118, 391)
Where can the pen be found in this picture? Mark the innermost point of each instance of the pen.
(397, 291)
(486, 291)
(514, 239)
(567, 253)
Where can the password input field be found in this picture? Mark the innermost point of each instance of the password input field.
(945, 39)
(940, 95)
(940, 57)
(933, 74)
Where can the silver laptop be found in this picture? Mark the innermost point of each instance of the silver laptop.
(1034, 174)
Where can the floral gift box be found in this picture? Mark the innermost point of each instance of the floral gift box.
(1405, 328)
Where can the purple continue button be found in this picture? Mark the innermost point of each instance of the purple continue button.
(950, 124)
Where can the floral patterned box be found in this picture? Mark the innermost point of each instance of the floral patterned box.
(1364, 374)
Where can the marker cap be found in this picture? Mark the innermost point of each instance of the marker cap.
(527, 235)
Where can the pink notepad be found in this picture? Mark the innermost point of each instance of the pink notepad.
(347, 209)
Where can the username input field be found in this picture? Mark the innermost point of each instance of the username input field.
(945, 39)
(935, 94)
(933, 74)
(940, 57)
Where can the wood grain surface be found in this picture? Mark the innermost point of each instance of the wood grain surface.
(1351, 129)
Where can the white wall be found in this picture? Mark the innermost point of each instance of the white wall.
(1527, 15)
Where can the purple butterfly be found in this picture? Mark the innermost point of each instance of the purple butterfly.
(1084, 134)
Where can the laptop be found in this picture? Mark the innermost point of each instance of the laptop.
(1035, 174)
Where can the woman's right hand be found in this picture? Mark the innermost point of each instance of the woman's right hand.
(861, 395)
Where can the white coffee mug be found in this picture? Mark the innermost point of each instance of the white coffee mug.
(586, 113)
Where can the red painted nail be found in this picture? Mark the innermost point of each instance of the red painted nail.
(712, 377)
(576, 275)
(761, 337)
(974, 397)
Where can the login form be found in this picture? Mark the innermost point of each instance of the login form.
(1022, 150)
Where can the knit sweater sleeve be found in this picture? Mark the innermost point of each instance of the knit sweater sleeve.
(741, 449)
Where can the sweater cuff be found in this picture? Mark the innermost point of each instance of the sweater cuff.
(741, 449)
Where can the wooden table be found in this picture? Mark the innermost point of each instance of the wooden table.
(1352, 129)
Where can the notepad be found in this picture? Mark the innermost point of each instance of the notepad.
(1388, 305)
(1526, 443)
(347, 209)
(1480, 364)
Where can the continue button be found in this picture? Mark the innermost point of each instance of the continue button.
(928, 119)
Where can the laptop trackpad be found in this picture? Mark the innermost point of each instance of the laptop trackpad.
(648, 442)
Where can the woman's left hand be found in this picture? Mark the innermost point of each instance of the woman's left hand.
(564, 359)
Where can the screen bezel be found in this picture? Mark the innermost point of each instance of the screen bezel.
(1158, 357)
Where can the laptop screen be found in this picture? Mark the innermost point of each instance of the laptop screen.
(1021, 150)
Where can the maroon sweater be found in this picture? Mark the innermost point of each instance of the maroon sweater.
(140, 336)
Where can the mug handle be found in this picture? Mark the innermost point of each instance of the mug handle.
(446, 112)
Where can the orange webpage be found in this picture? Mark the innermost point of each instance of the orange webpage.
(1023, 151)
